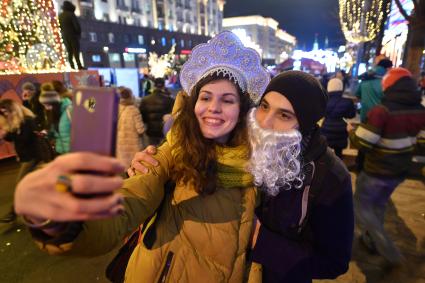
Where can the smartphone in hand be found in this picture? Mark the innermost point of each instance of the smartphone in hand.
(94, 120)
(94, 124)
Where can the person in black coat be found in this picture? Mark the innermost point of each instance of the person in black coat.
(71, 33)
(334, 127)
(153, 108)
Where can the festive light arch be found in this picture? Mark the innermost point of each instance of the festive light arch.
(30, 39)
(361, 20)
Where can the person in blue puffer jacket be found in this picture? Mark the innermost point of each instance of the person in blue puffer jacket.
(58, 115)
(338, 108)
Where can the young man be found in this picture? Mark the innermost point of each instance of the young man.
(388, 139)
(306, 214)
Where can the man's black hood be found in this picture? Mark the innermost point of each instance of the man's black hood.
(68, 6)
(313, 145)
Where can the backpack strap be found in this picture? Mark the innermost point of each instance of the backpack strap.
(312, 189)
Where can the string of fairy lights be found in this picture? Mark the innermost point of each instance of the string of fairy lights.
(361, 20)
(30, 40)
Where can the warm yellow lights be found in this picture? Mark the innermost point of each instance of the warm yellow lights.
(361, 20)
(250, 20)
(31, 41)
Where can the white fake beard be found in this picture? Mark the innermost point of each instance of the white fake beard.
(274, 161)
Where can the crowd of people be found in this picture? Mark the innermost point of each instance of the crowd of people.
(245, 181)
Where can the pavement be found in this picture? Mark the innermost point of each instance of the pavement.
(21, 261)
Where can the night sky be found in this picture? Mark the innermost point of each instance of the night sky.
(301, 18)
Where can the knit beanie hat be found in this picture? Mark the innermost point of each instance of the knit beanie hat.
(335, 84)
(393, 75)
(28, 86)
(48, 94)
(159, 82)
(385, 63)
(306, 94)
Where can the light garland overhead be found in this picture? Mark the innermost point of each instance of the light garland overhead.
(30, 40)
(160, 66)
(361, 20)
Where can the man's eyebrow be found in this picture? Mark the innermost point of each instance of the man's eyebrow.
(279, 109)
(286, 111)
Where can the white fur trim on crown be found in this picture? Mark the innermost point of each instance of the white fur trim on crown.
(225, 54)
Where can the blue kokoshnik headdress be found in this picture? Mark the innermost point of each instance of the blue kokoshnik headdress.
(225, 54)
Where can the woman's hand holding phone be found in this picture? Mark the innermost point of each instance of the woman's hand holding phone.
(40, 195)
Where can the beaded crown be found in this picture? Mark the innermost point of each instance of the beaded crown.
(225, 54)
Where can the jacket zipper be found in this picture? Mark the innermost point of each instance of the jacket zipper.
(166, 268)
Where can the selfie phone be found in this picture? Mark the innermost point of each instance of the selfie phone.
(94, 120)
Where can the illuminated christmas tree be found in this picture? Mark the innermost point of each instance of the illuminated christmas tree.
(30, 39)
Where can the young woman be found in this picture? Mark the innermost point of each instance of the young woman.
(130, 127)
(57, 111)
(337, 109)
(17, 126)
(204, 225)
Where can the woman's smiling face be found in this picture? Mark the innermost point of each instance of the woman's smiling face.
(217, 109)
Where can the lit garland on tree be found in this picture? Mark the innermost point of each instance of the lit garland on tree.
(30, 39)
(162, 65)
(361, 20)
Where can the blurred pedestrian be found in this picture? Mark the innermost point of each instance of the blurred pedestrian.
(388, 137)
(130, 127)
(60, 88)
(146, 84)
(334, 128)
(369, 90)
(30, 95)
(71, 33)
(28, 91)
(17, 125)
(58, 117)
(343, 76)
(153, 108)
(422, 84)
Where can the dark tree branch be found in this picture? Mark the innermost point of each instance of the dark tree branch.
(402, 11)
(421, 8)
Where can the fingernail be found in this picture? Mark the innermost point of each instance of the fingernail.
(145, 170)
(118, 167)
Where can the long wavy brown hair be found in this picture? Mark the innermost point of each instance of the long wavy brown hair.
(195, 155)
(13, 115)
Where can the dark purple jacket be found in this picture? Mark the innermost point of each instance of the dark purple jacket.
(323, 251)
(334, 127)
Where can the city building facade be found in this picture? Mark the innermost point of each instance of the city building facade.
(121, 33)
(276, 45)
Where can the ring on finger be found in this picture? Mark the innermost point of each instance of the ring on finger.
(63, 184)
